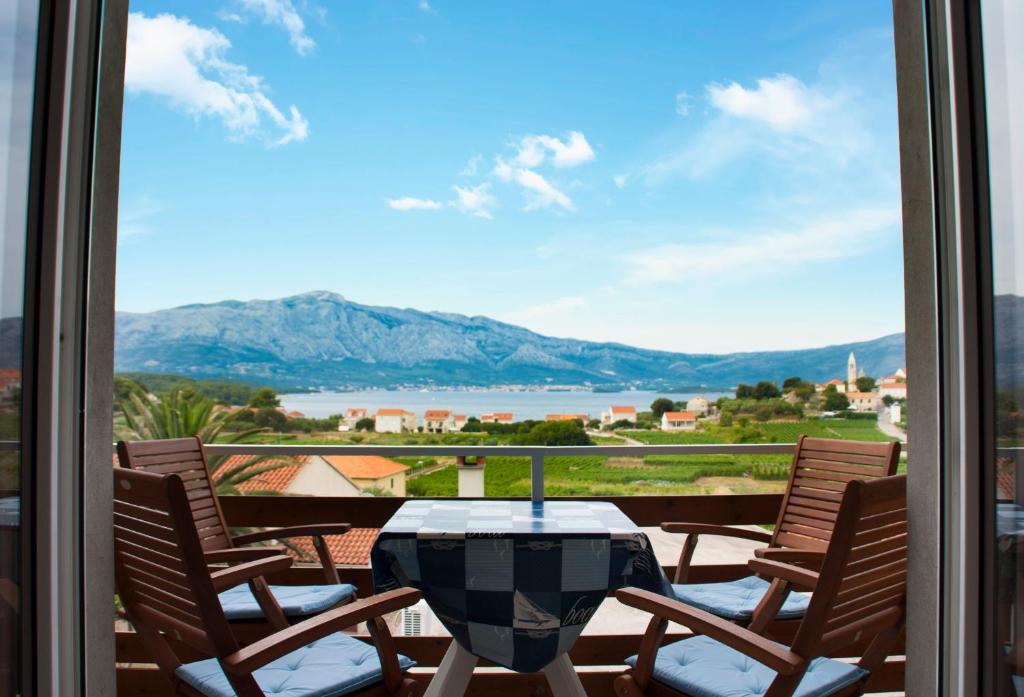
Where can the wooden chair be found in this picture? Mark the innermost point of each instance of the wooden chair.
(859, 595)
(186, 457)
(169, 591)
(821, 469)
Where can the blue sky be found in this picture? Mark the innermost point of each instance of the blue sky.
(685, 176)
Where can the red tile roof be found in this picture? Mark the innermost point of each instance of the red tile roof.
(391, 412)
(436, 414)
(275, 480)
(567, 417)
(352, 548)
(681, 415)
(365, 466)
(623, 410)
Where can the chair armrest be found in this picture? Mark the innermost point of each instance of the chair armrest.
(294, 531)
(227, 556)
(790, 556)
(233, 575)
(776, 657)
(278, 644)
(720, 530)
(803, 579)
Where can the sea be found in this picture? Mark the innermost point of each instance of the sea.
(523, 404)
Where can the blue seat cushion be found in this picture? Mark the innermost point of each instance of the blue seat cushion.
(335, 665)
(702, 667)
(736, 600)
(240, 604)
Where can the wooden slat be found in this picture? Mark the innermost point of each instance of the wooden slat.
(145, 554)
(374, 512)
(854, 447)
(817, 523)
(859, 567)
(888, 544)
(809, 483)
(165, 582)
(833, 496)
(846, 594)
(871, 520)
(176, 575)
(851, 582)
(880, 533)
(830, 506)
(828, 517)
(147, 514)
(806, 531)
(169, 463)
(842, 463)
(827, 476)
(158, 447)
(159, 532)
(145, 541)
(872, 461)
(786, 539)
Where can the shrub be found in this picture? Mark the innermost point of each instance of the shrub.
(769, 472)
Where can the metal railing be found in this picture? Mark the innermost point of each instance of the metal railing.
(536, 453)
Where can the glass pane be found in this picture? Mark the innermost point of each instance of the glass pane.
(18, 22)
(1003, 25)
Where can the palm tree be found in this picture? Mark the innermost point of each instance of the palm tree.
(183, 413)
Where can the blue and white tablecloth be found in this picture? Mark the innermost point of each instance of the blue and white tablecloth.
(514, 582)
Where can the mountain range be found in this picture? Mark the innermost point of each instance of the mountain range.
(322, 340)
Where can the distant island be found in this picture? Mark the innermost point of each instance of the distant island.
(321, 340)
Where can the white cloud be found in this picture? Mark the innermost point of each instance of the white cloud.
(535, 149)
(620, 180)
(557, 308)
(782, 102)
(474, 200)
(133, 216)
(170, 57)
(472, 166)
(424, 6)
(683, 103)
(282, 13)
(540, 193)
(841, 235)
(410, 203)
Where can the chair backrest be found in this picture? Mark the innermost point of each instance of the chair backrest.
(186, 458)
(821, 470)
(161, 574)
(862, 584)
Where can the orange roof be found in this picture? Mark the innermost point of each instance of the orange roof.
(275, 480)
(623, 410)
(436, 414)
(566, 417)
(835, 382)
(352, 548)
(391, 412)
(296, 415)
(681, 415)
(365, 466)
(503, 415)
(860, 395)
(356, 411)
(460, 417)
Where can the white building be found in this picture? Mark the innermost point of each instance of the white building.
(460, 421)
(679, 421)
(838, 384)
(894, 385)
(394, 421)
(618, 413)
(863, 401)
(351, 417)
(498, 417)
(699, 405)
(439, 421)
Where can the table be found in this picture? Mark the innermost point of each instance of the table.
(514, 582)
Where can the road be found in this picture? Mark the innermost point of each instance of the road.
(888, 428)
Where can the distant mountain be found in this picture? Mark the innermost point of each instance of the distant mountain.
(322, 339)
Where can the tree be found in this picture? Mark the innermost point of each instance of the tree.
(181, 415)
(263, 398)
(660, 406)
(865, 384)
(366, 424)
(791, 383)
(836, 402)
(888, 400)
(766, 390)
(270, 419)
(554, 433)
(744, 391)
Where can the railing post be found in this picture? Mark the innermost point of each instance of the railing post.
(537, 477)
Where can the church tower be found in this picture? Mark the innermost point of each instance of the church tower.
(851, 372)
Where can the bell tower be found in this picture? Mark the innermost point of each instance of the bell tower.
(851, 372)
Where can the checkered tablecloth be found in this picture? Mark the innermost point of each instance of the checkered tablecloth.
(514, 582)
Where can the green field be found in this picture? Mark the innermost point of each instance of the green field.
(769, 432)
(599, 476)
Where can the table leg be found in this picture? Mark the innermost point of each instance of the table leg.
(562, 678)
(452, 676)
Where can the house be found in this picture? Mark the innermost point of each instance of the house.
(10, 383)
(295, 415)
(838, 384)
(863, 401)
(498, 417)
(568, 417)
(618, 413)
(438, 421)
(305, 475)
(679, 421)
(371, 472)
(894, 385)
(460, 421)
(351, 549)
(351, 417)
(699, 405)
(791, 397)
(394, 421)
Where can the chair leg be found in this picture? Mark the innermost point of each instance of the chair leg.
(625, 686)
(408, 688)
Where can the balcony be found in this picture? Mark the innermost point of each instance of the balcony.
(598, 657)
